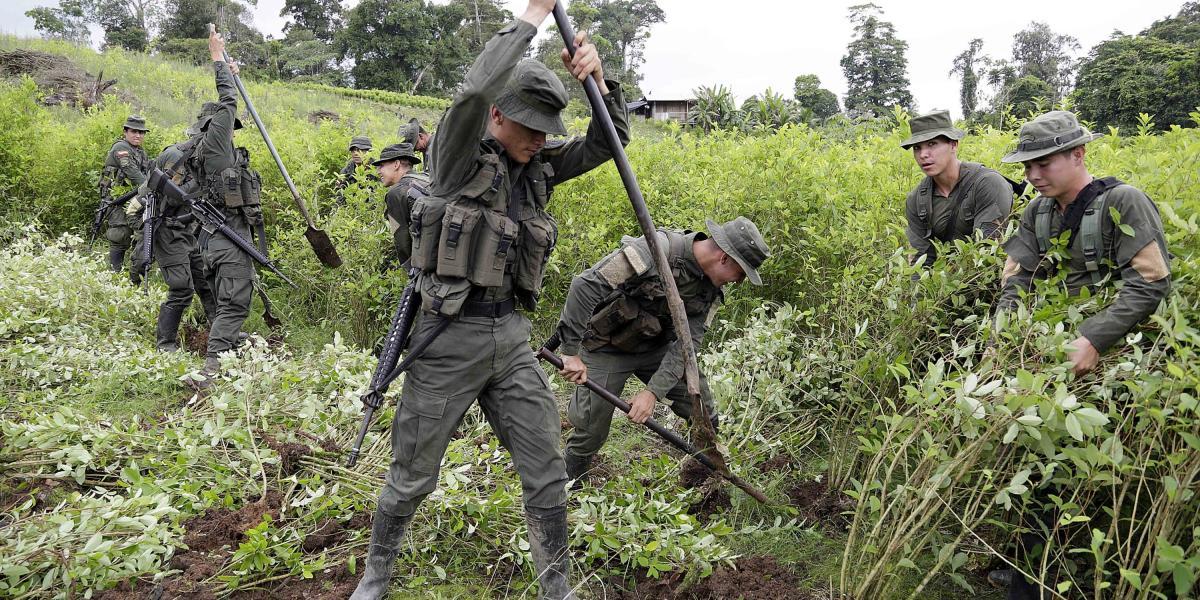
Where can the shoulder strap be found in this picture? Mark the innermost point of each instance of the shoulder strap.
(925, 207)
(1090, 237)
(1041, 223)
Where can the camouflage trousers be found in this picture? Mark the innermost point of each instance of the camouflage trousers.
(484, 359)
(230, 273)
(182, 268)
(591, 416)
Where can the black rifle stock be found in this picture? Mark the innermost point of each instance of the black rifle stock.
(149, 225)
(105, 206)
(393, 345)
(212, 220)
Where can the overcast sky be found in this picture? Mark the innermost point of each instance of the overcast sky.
(750, 45)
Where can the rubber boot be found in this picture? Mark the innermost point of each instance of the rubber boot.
(167, 329)
(548, 545)
(577, 469)
(387, 533)
(208, 375)
(116, 259)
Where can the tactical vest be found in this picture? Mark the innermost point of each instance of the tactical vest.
(636, 316)
(471, 238)
(972, 173)
(111, 174)
(1090, 237)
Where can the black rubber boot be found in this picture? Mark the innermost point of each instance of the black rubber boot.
(577, 468)
(548, 545)
(167, 330)
(387, 533)
(116, 259)
(208, 375)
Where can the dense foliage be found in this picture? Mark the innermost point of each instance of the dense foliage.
(951, 434)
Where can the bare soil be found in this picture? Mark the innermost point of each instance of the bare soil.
(753, 578)
(335, 583)
(332, 532)
(195, 339)
(819, 504)
(290, 454)
(218, 527)
(714, 498)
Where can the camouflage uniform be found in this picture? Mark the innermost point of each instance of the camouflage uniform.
(484, 354)
(981, 200)
(348, 175)
(177, 253)
(398, 199)
(125, 165)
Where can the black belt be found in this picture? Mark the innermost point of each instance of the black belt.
(494, 310)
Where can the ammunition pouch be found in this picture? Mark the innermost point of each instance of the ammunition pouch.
(442, 296)
(425, 226)
(539, 235)
(625, 325)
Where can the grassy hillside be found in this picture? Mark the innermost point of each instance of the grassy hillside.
(905, 439)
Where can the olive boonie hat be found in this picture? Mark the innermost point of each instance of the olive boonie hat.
(361, 142)
(136, 123)
(207, 110)
(1052, 132)
(932, 125)
(534, 97)
(397, 152)
(410, 131)
(741, 240)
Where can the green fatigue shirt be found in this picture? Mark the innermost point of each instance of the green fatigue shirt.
(216, 152)
(458, 146)
(1139, 259)
(175, 237)
(624, 272)
(128, 163)
(980, 201)
(397, 213)
(348, 175)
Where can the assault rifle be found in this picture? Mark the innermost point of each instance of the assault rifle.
(105, 206)
(212, 220)
(149, 225)
(387, 370)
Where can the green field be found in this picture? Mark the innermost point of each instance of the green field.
(900, 435)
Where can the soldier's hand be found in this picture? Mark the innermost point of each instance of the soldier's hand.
(1084, 357)
(537, 10)
(133, 207)
(216, 45)
(574, 370)
(585, 62)
(233, 68)
(641, 407)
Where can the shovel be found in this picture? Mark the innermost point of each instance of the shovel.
(318, 239)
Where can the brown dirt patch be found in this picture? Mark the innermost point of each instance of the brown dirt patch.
(334, 583)
(332, 532)
(822, 505)
(713, 497)
(317, 116)
(290, 454)
(776, 463)
(753, 578)
(195, 339)
(217, 527)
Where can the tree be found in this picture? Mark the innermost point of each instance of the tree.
(1156, 72)
(67, 21)
(189, 19)
(303, 57)
(874, 65)
(1028, 96)
(483, 19)
(1041, 53)
(619, 28)
(809, 94)
(124, 22)
(714, 108)
(320, 17)
(767, 113)
(967, 66)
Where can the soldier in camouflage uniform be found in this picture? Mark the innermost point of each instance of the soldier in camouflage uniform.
(480, 240)
(224, 176)
(126, 165)
(360, 145)
(175, 246)
(616, 324)
(414, 134)
(1075, 208)
(956, 198)
(394, 167)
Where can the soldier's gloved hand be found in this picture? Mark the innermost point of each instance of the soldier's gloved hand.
(641, 407)
(574, 370)
(133, 206)
(1084, 357)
